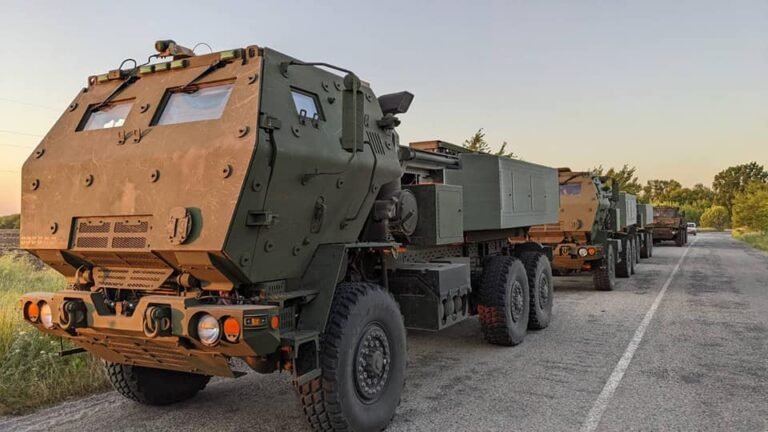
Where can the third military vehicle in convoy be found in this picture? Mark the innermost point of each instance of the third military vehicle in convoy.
(245, 204)
(597, 230)
(669, 224)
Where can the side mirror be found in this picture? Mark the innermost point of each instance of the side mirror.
(352, 111)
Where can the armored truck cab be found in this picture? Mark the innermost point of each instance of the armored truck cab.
(245, 204)
(669, 224)
(589, 235)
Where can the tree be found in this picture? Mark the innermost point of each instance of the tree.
(477, 142)
(502, 152)
(715, 217)
(661, 190)
(733, 180)
(625, 177)
(10, 221)
(750, 208)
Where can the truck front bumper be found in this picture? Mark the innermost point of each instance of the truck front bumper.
(161, 332)
(572, 256)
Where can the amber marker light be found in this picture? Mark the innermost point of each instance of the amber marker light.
(32, 312)
(592, 251)
(231, 329)
(274, 322)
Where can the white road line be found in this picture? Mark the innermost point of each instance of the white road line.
(596, 413)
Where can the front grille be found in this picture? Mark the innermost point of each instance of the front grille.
(117, 232)
(130, 278)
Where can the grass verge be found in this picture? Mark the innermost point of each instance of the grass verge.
(31, 373)
(758, 240)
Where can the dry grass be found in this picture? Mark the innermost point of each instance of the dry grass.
(31, 373)
(758, 240)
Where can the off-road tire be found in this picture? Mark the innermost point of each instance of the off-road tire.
(334, 401)
(638, 240)
(541, 285)
(150, 386)
(651, 243)
(622, 268)
(679, 241)
(632, 252)
(504, 301)
(604, 277)
(645, 246)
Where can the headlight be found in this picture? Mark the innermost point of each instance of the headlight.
(46, 316)
(582, 252)
(208, 330)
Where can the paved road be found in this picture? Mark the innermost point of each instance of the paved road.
(701, 364)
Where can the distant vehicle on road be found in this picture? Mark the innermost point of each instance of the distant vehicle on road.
(691, 228)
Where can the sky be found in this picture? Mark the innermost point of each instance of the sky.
(678, 89)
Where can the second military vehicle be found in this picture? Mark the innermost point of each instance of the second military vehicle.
(596, 231)
(669, 224)
(245, 204)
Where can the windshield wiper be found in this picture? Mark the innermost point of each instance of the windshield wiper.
(190, 87)
(123, 85)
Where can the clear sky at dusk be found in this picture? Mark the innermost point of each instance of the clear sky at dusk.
(677, 88)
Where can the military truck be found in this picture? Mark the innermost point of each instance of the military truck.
(669, 224)
(645, 236)
(594, 233)
(247, 205)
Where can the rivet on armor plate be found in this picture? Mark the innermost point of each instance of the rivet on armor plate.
(54, 227)
(296, 131)
(35, 184)
(72, 106)
(154, 176)
(268, 246)
(243, 131)
(39, 153)
(88, 180)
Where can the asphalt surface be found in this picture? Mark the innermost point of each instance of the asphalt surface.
(701, 364)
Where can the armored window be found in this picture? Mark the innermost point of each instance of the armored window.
(570, 189)
(109, 116)
(205, 103)
(306, 104)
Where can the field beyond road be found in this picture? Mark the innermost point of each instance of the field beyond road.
(701, 364)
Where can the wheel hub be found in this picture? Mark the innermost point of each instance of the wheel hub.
(372, 363)
(517, 301)
(543, 291)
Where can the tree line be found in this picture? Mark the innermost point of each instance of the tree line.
(738, 196)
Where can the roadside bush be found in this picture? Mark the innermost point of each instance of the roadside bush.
(750, 208)
(31, 373)
(715, 217)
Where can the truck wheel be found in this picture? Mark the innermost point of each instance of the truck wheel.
(504, 301)
(539, 274)
(645, 248)
(152, 386)
(622, 268)
(638, 241)
(632, 253)
(651, 242)
(363, 354)
(679, 239)
(604, 278)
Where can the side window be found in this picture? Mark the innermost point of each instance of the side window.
(570, 189)
(204, 103)
(306, 104)
(109, 116)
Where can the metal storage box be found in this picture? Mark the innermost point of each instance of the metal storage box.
(627, 210)
(440, 214)
(503, 193)
(644, 215)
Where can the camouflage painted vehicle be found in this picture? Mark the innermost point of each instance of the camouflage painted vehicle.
(669, 224)
(597, 231)
(245, 204)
